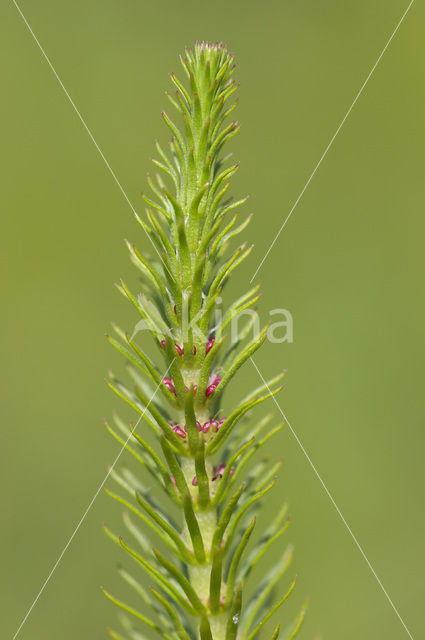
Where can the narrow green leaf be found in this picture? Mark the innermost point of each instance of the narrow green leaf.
(192, 428)
(225, 517)
(276, 632)
(293, 630)
(236, 559)
(174, 616)
(160, 467)
(233, 419)
(163, 524)
(240, 514)
(137, 485)
(153, 371)
(175, 132)
(216, 578)
(193, 527)
(225, 485)
(235, 614)
(135, 613)
(174, 467)
(140, 458)
(142, 411)
(202, 478)
(182, 581)
(172, 438)
(137, 534)
(181, 89)
(271, 473)
(260, 549)
(242, 358)
(249, 454)
(205, 629)
(160, 579)
(115, 635)
(146, 597)
(267, 617)
(169, 541)
(266, 586)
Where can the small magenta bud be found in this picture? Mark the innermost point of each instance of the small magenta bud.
(173, 481)
(162, 344)
(212, 387)
(199, 425)
(209, 345)
(195, 481)
(194, 350)
(220, 422)
(220, 470)
(210, 425)
(179, 350)
(169, 384)
(179, 432)
(195, 388)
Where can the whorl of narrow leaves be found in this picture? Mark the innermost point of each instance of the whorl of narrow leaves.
(194, 453)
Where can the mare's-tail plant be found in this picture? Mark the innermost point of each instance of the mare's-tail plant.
(202, 460)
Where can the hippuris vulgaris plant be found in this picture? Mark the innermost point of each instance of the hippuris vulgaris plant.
(199, 457)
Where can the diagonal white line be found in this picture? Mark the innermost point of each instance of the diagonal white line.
(83, 122)
(322, 157)
(328, 493)
(74, 533)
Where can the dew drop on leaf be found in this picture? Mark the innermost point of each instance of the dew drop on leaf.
(235, 619)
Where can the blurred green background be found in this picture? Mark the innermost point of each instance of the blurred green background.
(349, 266)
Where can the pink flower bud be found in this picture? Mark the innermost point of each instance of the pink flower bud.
(195, 481)
(210, 425)
(173, 481)
(220, 470)
(179, 432)
(213, 385)
(209, 344)
(220, 422)
(194, 350)
(169, 384)
(179, 350)
(199, 425)
(162, 344)
(209, 390)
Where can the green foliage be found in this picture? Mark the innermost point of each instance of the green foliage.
(199, 571)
